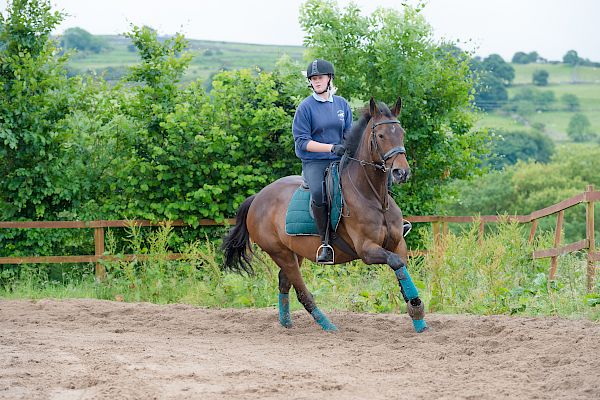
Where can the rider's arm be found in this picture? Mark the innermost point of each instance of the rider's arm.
(316, 147)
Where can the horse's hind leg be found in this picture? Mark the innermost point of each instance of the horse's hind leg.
(285, 318)
(290, 276)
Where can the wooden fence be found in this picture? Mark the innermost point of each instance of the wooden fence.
(439, 230)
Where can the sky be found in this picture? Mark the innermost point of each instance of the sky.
(550, 27)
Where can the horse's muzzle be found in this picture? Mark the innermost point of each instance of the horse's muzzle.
(400, 175)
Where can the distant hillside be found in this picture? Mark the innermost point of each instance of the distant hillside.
(581, 81)
(208, 57)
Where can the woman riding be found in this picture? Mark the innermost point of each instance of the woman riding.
(320, 124)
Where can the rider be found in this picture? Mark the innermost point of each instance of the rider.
(320, 124)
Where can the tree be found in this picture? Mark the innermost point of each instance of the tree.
(490, 92)
(526, 58)
(570, 101)
(571, 57)
(38, 157)
(533, 57)
(540, 77)
(495, 64)
(579, 129)
(390, 54)
(491, 81)
(80, 39)
(534, 100)
(34, 96)
(520, 58)
(512, 146)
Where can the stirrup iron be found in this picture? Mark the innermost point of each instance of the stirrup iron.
(325, 246)
(406, 227)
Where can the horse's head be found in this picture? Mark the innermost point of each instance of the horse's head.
(386, 143)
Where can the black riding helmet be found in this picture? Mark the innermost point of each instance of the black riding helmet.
(319, 67)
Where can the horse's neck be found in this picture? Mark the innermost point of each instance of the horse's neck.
(360, 175)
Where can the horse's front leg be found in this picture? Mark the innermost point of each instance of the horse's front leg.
(415, 307)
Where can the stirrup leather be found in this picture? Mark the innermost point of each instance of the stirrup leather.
(325, 246)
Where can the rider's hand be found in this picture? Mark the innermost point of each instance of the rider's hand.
(338, 149)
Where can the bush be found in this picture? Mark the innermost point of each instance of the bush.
(510, 147)
(495, 274)
(528, 100)
(579, 129)
(530, 186)
(540, 77)
(570, 101)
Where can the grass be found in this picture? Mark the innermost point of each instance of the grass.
(495, 276)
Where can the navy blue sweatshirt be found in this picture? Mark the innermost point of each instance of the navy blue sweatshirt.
(324, 122)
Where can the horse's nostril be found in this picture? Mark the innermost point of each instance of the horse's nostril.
(400, 175)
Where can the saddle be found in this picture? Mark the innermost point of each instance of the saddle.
(299, 219)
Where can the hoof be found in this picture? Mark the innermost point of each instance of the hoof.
(286, 323)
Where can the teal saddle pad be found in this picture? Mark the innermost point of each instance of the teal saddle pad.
(298, 219)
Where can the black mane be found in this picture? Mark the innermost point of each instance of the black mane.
(353, 138)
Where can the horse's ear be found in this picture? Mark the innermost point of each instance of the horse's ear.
(397, 107)
(373, 110)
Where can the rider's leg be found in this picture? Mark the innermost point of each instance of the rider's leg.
(314, 175)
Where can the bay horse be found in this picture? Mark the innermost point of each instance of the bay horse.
(371, 224)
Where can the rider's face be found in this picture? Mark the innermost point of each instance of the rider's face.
(319, 82)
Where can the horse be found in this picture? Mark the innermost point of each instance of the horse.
(371, 227)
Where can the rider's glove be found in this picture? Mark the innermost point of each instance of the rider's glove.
(338, 149)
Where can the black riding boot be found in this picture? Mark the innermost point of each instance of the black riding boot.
(325, 251)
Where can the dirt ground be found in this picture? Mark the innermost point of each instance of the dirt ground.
(91, 349)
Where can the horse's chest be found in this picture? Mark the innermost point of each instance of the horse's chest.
(392, 233)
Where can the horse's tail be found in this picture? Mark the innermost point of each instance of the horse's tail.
(236, 245)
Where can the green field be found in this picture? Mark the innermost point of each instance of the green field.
(208, 57)
(559, 73)
(583, 82)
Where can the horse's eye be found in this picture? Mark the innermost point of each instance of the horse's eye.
(380, 135)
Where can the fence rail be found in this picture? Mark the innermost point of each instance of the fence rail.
(439, 225)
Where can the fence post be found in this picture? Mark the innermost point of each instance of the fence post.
(435, 232)
(99, 250)
(557, 235)
(534, 225)
(481, 230)
(589, 233)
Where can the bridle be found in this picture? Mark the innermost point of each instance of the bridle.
(391, 153)
(382, 165)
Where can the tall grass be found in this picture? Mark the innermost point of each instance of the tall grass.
(496, 275)
(463, 274)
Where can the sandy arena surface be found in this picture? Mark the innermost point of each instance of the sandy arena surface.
(91, 349)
